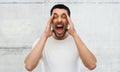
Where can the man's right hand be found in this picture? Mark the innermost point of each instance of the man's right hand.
(48, 31)
(32, 60)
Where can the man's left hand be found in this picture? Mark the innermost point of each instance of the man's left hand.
(71, 29)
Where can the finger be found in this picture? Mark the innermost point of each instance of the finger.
(50, 21)
(69, 20)
(51, 17)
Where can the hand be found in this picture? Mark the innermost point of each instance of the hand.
(48, 31)
(71, 29)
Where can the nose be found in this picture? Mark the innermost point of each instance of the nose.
(59, 19)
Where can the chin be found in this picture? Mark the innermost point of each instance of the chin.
(60, 36)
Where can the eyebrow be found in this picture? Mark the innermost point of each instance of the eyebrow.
(56, 14)
(64, 14)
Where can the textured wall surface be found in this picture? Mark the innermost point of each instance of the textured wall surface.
(96, 21)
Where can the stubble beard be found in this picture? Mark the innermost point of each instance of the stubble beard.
(60, 36)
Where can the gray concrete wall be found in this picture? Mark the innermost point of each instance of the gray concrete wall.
(96, 21)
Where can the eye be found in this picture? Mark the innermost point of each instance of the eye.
(55, 16)
(63, 16)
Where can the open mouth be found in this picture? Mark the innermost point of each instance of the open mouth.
(59, 28)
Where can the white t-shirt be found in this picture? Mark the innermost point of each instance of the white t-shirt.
(60, 55)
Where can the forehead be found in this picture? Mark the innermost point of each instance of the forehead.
(59, 11)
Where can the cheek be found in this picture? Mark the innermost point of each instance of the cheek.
(65, 22)
(54, 21)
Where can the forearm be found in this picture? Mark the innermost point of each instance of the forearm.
(33, 58)
(87, 57)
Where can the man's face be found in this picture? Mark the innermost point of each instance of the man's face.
(60, 22)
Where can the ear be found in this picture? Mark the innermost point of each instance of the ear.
(51, 26)
(68, 26)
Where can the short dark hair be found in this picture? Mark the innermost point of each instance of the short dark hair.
(60, 6)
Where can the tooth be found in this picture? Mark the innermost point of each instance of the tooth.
(59, 25)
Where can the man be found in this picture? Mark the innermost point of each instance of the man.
(60, 46)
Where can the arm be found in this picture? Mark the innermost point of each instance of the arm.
(34, 56)
(87, 57)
